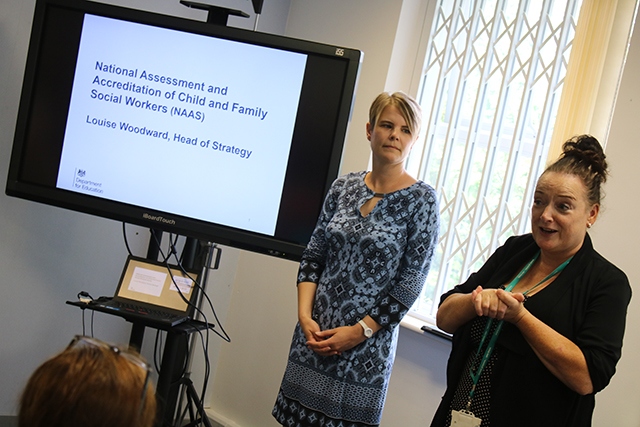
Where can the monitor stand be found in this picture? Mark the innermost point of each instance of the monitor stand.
(174, 370)
(217, 15)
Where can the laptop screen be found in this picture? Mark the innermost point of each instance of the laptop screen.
(156, 283)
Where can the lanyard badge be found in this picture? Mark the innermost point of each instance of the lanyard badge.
(464, 418)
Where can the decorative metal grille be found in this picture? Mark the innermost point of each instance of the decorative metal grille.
(489, 90)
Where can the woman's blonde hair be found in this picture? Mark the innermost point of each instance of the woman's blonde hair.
(406, 105)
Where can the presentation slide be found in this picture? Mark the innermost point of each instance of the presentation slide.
(147, 281)
(181, 123)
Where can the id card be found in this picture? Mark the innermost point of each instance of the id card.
(464, 418)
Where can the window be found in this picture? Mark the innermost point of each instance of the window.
(490, 89)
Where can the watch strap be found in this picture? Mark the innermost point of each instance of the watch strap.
(368, 332)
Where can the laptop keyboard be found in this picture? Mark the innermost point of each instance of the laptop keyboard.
(158, 314)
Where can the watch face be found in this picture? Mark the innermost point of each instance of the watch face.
(368, 332)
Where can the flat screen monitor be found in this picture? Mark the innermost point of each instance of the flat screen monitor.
(211, 132)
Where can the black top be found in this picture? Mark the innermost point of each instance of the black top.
(587, 303)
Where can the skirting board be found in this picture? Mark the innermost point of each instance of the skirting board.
(218, 420)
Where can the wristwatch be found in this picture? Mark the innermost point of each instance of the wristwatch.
(368, 332)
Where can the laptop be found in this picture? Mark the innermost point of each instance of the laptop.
(153, 293)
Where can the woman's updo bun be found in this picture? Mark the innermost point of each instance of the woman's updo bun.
(583, 156)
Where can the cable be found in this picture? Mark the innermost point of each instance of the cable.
(207, 369)
(222, 334)
(126, 241)
(83, 325)
(85, 297)
(157, 344)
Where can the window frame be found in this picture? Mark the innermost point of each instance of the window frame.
(416, 320)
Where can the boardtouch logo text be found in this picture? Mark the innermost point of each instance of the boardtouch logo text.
(159, 219)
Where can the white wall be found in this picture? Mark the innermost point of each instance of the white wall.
(616, 235)
(47, 254)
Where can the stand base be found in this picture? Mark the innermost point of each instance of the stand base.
(198, 416)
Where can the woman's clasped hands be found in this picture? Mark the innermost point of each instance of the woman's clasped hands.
(331, 342)
(499, 304)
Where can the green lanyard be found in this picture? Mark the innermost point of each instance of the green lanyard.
(487, 353)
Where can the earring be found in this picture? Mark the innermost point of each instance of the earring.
(588, 225)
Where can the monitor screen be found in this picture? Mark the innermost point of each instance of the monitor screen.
(211, 132)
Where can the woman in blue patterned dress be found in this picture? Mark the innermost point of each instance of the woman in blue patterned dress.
(364, 267)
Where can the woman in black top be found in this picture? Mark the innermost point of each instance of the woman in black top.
(556, 308)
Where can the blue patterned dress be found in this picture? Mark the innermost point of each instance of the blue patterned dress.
(373, 265)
